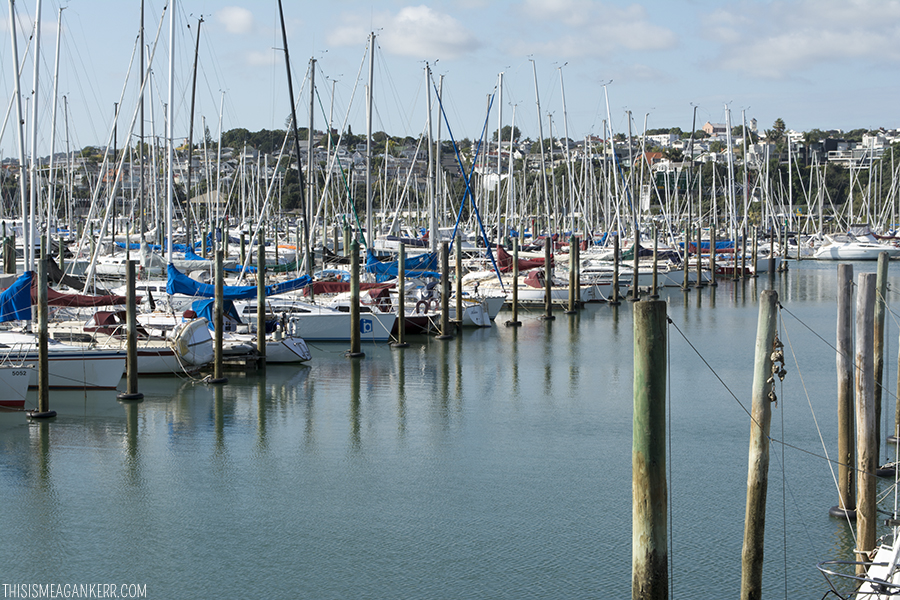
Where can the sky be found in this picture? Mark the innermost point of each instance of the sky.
(827, 64)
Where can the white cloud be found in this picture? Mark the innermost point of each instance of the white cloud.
(783, 39)
(590, 28)
(256, 58)
(235, 19)
(416, 31)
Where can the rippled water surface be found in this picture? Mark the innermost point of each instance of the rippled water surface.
(495, 465)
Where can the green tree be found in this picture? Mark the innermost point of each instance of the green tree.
(505, 131)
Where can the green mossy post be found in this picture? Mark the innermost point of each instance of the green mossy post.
(445, 293)
(261, 295)
(846, 507)
(355, 342)
(401, 302)
(758, 464)
(131, 370)
(649, 541)
(866, 522)
(880, 292)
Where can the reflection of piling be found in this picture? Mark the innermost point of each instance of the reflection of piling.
(355, 343)
(649, 559)
(758, 469)
(846, 507)
(401, 295)
(131, 370)
(865, 415)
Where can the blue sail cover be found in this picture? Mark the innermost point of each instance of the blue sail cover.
(205, 308)
(179, 283)
(423, 265)
(15, 301)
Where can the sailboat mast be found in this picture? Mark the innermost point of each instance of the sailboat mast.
(170, 150)
(190, 157)
(51, 197)
(20, 121)
(432, 210)
(370, 217)
(310, 167)
(29, 236)
(499, 148)
(541, 144)
(287, 64)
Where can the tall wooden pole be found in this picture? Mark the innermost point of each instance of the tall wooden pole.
(548, 280)
(880, 291)
(43, 409)
(261, 295)
(219, 320)
(846, 507)
(654, 286)
(401, 302)
(445, 293)
(649, 541)
(572, 282)
(865, 415)
(758, 469)
(635, 292)
(355, 342)
(712, 254)
(131, 367)
(515, 322)
(459, 274)
(614, 297)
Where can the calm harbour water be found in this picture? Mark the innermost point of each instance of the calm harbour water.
(496, 465)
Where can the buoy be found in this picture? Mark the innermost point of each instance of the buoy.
(36, 414)
(842, 513)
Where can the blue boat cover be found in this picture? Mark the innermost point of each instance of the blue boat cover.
(179, 283)
(205, 308)
(15, 301)
(423, 265)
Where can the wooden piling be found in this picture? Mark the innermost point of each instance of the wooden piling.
(865, 417)
(649, 541)
(243, 248)
(131, 367)
(43, 342)
(445, 293)
(686, 281)
(880, 292)
(771, 257)
(218, 377)
(572, 282)
(758, 469)
(515, 322)
(712, 255)
(635, 291)
(654, 286)
(355, 341)
(459, 274)
(548, 280)
(261, 296)
(846, 507)
(346, 239)
(614, 297)
(401, 295)
(700, 255)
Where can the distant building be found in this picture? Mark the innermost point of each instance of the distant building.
(715, 128)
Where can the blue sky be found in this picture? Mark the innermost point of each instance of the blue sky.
(813, 63)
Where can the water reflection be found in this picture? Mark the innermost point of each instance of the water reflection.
(355, 374)
(400, 362)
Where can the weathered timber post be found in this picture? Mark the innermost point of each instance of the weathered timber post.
(131, 371)
(548, 280)
(261, 296)
(614, 298)
(445, 293)
(880, 292)
(459, 274)
(401, 302)
(355, 342)
(712, 255)
(219, 320)
(846, 507)
(649, 541)
(758, 469)
(43, 410)
(515, 322)
(635, 292)
(654, 286)
(572, 281)
(865, 417)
